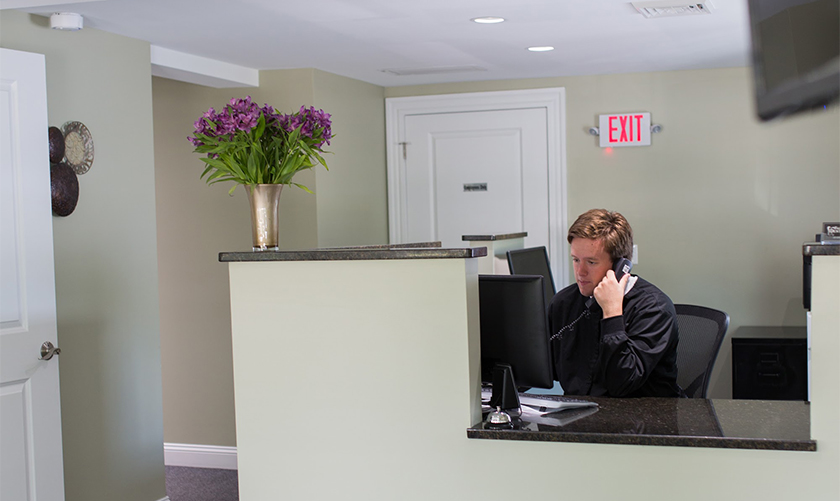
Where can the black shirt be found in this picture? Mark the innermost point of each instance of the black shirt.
(632, 355)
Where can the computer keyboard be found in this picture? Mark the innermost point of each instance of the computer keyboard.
(544, 403)
(549, 402)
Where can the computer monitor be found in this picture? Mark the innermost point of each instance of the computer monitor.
(532, 261)
(514, 329)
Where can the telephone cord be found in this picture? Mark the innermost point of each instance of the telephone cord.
(559, 334)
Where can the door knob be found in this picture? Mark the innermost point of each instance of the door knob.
(48, 350)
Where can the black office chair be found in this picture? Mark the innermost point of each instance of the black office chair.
(701, 334)
(533, 261)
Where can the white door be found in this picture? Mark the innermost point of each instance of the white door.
(478, 164)
(477, 173)
(30, 420)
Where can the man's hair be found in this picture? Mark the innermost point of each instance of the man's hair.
(609, 227)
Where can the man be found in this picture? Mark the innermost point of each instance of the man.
(622, 343)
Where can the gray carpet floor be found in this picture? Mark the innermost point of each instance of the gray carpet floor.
(201, 484)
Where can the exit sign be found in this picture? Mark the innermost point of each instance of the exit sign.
(626, 129)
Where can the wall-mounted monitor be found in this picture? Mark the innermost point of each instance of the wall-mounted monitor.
(796, 55)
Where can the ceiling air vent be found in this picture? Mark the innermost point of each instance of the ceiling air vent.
(670, 8)
(436, 70)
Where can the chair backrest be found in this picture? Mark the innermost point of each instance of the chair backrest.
(701, 334)
(533, 261)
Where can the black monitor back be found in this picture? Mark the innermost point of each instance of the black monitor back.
(533, 261)
(514, 328)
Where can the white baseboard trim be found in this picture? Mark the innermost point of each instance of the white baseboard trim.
(199, 456)
(164, 499)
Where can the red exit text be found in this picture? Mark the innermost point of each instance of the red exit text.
(627, 129)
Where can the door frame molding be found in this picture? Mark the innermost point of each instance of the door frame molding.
(552, 99)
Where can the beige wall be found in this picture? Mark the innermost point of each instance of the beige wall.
(353, 195)
(196, 222)
(410, 453)
(720, 203)
(105, 263)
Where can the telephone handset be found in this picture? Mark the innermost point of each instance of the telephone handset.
(621, 267)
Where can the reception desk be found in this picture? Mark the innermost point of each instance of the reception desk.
(356, 376)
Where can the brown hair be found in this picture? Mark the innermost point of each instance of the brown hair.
(609, 227)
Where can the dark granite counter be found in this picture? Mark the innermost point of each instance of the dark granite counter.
(680, 422)
(413, 245)
(488, 238)
(821, 249)
(361, 253)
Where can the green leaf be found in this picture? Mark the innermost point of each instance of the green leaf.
(260, 127)
(252, 170)
(304, 188)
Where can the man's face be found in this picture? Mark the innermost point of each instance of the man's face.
(591, 263)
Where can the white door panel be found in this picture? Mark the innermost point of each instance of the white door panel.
(479, 163)
(489, 158)
(30, 420)
(504, 150)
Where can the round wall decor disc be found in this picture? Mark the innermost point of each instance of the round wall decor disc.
(56, 145)
(78, 146)
(65, 189)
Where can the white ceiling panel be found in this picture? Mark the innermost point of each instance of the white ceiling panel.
(360, 38)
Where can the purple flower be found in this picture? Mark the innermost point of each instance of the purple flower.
(234, 125)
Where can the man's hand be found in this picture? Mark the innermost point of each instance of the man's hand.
(610, 294)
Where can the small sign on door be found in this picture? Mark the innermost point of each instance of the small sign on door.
(625, 129)
(475, 186)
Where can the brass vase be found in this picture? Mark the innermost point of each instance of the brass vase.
(265, 215)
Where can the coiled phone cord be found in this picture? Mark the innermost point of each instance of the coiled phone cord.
(559, 334)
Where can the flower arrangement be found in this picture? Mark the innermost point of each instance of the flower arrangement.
(250, 145)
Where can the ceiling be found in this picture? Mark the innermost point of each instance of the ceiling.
(434, 40)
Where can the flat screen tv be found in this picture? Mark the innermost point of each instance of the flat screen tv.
(796, 55)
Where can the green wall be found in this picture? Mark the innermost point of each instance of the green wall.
(353, 196)
(196, 222)
(732, 197)
(105, 263)
(720, 203)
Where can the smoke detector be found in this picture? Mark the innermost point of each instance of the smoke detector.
(671, 8)
(69, 21)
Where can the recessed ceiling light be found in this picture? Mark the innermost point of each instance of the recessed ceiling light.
(545, 48)
(488, 20)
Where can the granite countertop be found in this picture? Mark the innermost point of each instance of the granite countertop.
(488, 238)
(680, 422)
(413, 245)
(425, 250)
(821, 249)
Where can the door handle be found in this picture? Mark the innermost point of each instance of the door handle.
(48, 350)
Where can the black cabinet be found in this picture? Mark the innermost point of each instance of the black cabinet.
(769, 368)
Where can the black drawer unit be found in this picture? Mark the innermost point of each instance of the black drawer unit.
(769, 369)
